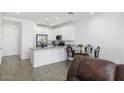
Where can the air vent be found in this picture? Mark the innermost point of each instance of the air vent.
(71, 13)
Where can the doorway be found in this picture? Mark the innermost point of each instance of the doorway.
(10, 38)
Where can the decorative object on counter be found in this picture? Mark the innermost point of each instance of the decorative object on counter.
(61, 43)
(54, 43)
(96, 52)
(89, 49)
(81, 46)
(70, 54)
(58, 41)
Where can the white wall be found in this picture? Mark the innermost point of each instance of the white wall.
(106, 30)
(27, 28)
(0, 40)
(0, 32)
(20, 40)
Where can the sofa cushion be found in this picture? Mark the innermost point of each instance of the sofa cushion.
(94, 69)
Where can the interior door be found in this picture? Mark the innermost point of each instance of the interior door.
(11, 32)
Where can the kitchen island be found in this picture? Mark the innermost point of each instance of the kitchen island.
(49, 55)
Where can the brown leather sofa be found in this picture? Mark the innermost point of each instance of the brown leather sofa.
(93, 69)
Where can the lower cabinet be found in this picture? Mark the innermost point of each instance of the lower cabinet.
(43, 57)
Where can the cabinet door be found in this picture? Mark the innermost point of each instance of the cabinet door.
(50, 34)
(56, 31)
(64, 34)
(48, 31)
(54, 34)
(71, 33)
(39, 30)
(44, 30)
(68, 33)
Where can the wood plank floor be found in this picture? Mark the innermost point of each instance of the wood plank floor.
(13, 69)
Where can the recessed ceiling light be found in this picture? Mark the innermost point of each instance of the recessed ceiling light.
(17, 12)
(57, 18)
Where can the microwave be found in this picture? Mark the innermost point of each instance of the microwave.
(59, 37)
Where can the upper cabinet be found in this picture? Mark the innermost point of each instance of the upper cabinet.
(50, 37)
(67, 32)
(44, 30)
(56, 31)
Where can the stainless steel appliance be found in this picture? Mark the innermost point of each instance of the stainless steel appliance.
(58, 37)
(58, 41)
(61, 43)
(41, 40)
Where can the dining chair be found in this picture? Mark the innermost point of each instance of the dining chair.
(70, 54)
(96, 52)
(89, 49)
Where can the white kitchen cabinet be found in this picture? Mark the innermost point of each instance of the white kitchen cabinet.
(44, 30)
(49, 33)
(56, 31)
(54, 34)
(67, 32)
(41, 57)
(39, 30)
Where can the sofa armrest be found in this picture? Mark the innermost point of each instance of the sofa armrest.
(72, 74)
(119, 75)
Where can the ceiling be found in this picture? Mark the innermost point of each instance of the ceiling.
(49, 18)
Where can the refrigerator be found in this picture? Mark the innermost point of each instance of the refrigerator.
(41, 40)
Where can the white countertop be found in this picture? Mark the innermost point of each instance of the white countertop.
(50, 47)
